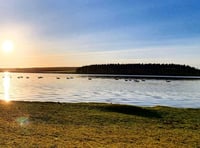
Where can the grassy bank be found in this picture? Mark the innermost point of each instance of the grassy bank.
(25, 124)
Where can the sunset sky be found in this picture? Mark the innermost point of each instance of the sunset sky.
(82, 32)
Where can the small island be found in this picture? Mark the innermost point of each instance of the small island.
(140, 69)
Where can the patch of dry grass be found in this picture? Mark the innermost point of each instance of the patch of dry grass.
(31, 124)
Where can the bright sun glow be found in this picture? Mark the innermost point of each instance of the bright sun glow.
(7, 46)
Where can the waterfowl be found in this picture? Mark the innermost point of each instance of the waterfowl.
(136, 80)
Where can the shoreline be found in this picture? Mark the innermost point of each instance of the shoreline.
(98, 103)
(48, 124)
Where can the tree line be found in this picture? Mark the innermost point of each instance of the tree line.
(140, 69)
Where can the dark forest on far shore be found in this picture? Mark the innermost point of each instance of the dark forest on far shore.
(140, 69)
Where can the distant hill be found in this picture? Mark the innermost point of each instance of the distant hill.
(41, 70)
(140, 69)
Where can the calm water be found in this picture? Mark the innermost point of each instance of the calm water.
(178, 93)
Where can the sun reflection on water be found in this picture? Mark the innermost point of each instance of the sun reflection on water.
(6, 86)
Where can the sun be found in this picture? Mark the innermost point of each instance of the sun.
(7, 46)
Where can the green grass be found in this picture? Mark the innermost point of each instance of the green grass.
(29, 124)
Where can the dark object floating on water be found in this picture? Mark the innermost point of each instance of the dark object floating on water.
(126, 80)
(89, 78)
(5, 77)
(116, 78)
(27, 77)
(168, 81)
(130, 80)
(137, 80)
(143, 80)
(57, 77)
(40, 77)
(20, 77)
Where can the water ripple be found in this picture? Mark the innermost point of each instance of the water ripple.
(80, 89)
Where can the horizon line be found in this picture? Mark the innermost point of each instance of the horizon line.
(89, 65)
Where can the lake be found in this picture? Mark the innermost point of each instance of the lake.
(78, 88)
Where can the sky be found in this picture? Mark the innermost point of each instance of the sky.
(82, 32)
